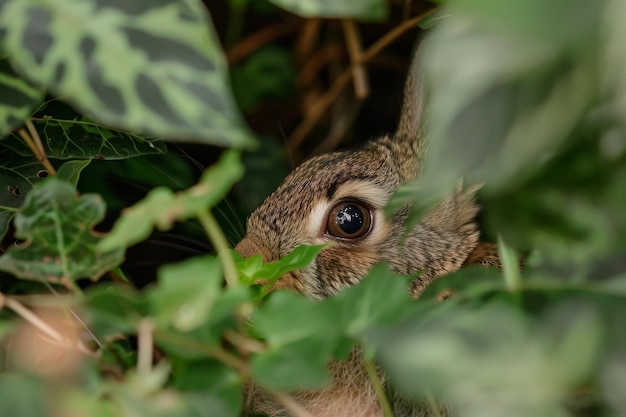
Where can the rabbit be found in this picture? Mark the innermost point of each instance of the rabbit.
(340, 198)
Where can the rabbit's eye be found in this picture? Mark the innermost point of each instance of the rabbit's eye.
(349, 220)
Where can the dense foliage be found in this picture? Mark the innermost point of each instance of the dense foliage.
(527, 97)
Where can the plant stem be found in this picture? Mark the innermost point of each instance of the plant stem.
(144, 346)
(31, 317)
(217, 353)
(378, 387)
(33, 141)
(215, 234)
(355, 51)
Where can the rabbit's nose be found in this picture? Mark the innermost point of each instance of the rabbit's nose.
(247, 247)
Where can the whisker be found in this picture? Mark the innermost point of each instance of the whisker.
(182, 152)
(290, 153)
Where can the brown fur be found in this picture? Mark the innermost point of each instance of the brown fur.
(444, 241)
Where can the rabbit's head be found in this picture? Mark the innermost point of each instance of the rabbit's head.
(339, 198)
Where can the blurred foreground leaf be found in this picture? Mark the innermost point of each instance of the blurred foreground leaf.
(22, 395)
(300, 337)
(161, 207)
(173, 81)
(18, 97)
(253, 269)
(355, 9)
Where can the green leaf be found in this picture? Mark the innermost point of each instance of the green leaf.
(14, 189)
(143, 172)
(356, 9)
(22, 395)
(556, 21)
(536, 86)
(18, 174)
(77, 402)
(26, 166)
(66, 134)
(300, 365)
(362, 306)
(60, 245)
(614, 379)
(186, 292)
(253, 269)
(300, 337)
(191, 309)
(162, 207)
(18, 98)
(5, 220)
(113, 309)
(577, 333)
(141, 66)
(209, 386)
(70, 171)
(534, 100)
(493, 345)
(570, 211)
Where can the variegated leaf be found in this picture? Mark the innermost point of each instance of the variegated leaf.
(143, 65)
(67, 135)
(18, 97)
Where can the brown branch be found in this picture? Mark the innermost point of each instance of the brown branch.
(319, 109)
(314, 65)
(259, 39)
(353, 44)
(307, 39)
(392, 35)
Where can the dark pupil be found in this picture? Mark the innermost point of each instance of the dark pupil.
(350, 219)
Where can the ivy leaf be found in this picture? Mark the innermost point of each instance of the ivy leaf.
(300, 337)
(70, 171)
(17, 176)
(186, 292)
(5, 220)
(191, 308)
(535, 89)
(508, 365)
(27, 166)
(65, 134)
(22, 395)
(14, 189)
(60, 245)
(162, 207)
(362, 307)
(356, 9)
(211, 385)
(253, 269)
(18, 98)
(142, 66)
(112, 309)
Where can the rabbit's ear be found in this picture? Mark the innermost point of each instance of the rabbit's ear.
(410, 133)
